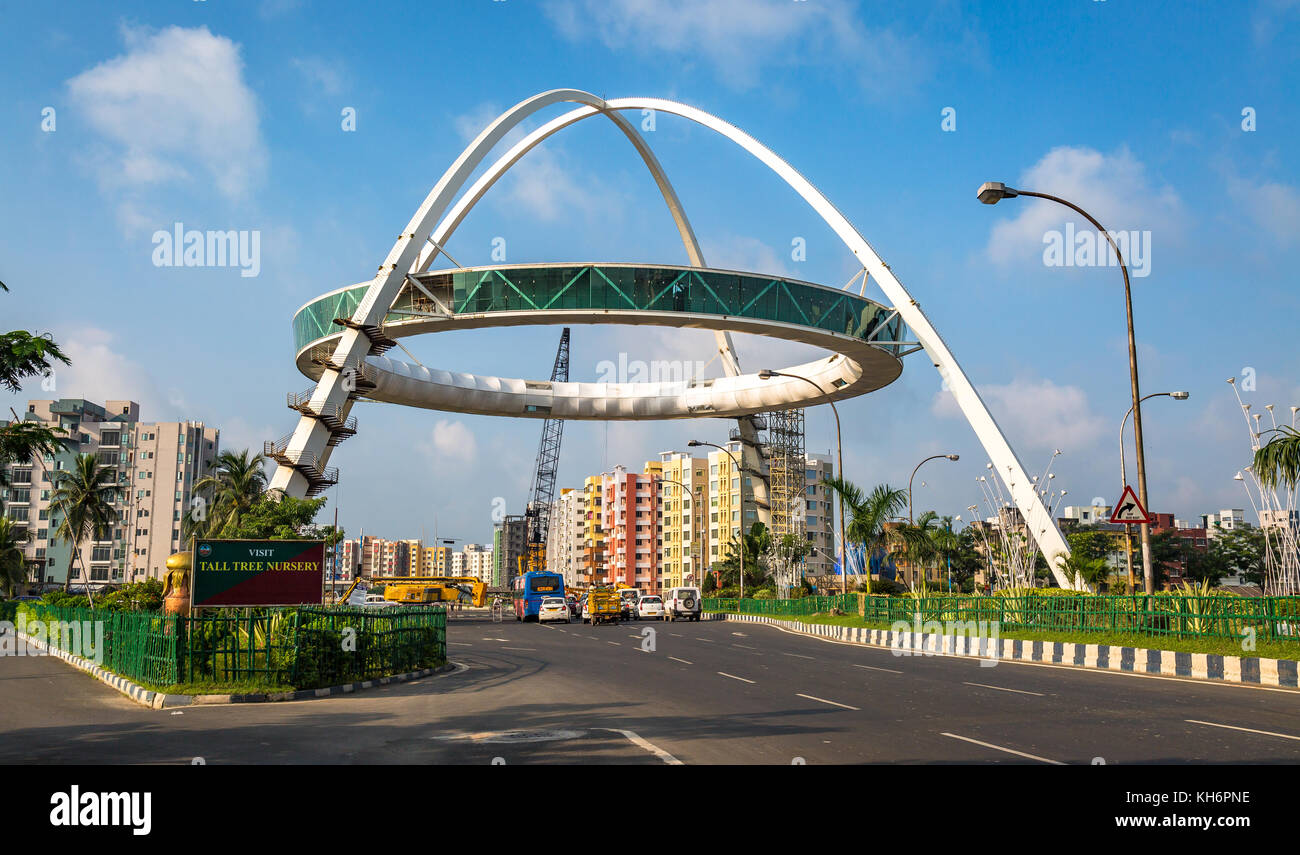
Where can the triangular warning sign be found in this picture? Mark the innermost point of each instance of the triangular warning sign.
(1129, 510)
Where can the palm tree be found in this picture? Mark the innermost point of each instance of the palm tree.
(1277, 463)
(919, 542)
(867, 516)
(83, 500)
(236, 483)
(756, 543)
(13, 569)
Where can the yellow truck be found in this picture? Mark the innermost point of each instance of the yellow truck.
(420, 590)
(603, 605)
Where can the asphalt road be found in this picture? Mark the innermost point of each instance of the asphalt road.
(709, 692)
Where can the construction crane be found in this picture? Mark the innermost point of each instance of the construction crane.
(537, 515)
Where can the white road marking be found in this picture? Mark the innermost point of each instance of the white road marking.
(675, 634)
(1007, 750)
(461, 643)
(1244, 729)
(615, 643)
(683, 661)
(798, 655)
(824, 701)
(740, 635)
(485, 638)
(709, 640)
(744, 647)
(874, 668)
(640, 742)
(734, 677)
(1002, 689)
(519, 648)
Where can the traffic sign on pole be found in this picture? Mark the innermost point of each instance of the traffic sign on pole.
(1129, 510)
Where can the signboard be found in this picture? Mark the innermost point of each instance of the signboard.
(1129, 510)
(257, 573)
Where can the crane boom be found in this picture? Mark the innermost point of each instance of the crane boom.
(541, 493)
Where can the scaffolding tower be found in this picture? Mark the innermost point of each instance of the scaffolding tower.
(786, 462)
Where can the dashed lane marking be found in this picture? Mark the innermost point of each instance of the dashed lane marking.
(1001, 748)
(734, 677)
(1243, 729)
(824, 701)
(1003, 689)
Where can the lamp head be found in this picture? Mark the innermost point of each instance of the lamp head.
(766, 374)
(954, 457)
(1179, 396)
(992, 192)
(695, 443)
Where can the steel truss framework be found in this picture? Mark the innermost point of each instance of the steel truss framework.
(786, 463)
(304, 456)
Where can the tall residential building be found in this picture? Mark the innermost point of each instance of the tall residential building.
(593, 532)
(1227, 519)
(683, 500)
(1087, 514)
(630, 519)
(476, 561)
(731, 500)
(564, 540)
(509, 544)
(435, 560)
(819, 515)
(155, 466)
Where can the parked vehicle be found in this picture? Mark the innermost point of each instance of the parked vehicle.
(650, 607)
(683, 604)
(575, 608)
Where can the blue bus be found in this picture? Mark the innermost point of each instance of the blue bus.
(531, 588)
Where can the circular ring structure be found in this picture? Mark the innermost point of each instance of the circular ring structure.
(858, 330)
(861, 361)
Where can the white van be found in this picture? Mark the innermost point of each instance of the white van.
(682, 603)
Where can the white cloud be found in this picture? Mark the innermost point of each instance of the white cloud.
(544, 184)
(322, 76)
(1273, 207)
(1035, 414)
(737, 36)
(99, 372)
(1114, 188)
(174, 107)
(738, 252)
(452, 444)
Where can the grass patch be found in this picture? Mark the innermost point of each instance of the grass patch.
(1222, 646)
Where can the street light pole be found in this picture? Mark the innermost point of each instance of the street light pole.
(993, 191)
(740, 473)
(767, 373)
(1123, 480)
(695, 534)
(910, 519)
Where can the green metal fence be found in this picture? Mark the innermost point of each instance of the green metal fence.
(1269, 618)
(307, 647)
(311, 646)
(137, 645)
(339, 645)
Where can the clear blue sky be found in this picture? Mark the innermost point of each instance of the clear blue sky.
(228, 116)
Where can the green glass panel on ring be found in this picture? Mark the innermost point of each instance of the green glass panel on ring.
(618, 287)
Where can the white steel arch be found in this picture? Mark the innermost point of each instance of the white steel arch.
(309, 442)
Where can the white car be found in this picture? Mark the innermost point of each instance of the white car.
(682, 603)
(553, 608)
(650, 607)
